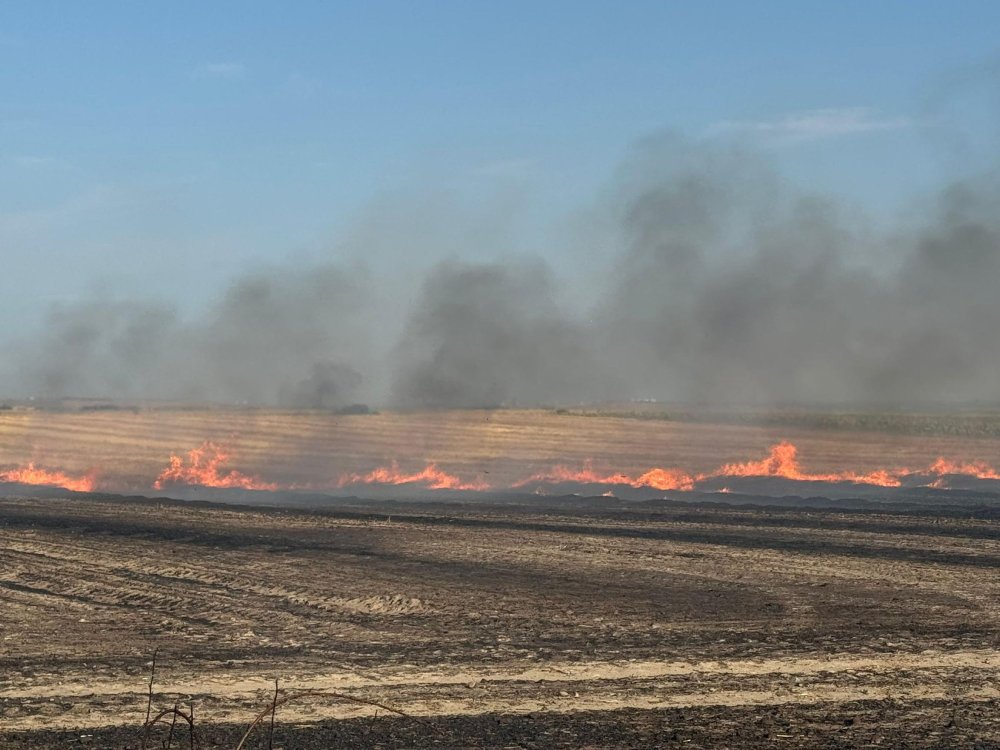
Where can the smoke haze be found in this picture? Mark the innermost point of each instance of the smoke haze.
(722, 283)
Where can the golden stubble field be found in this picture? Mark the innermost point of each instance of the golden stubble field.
(129, 448)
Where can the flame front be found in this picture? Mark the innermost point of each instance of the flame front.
(32, 474)
(976, 469)
(666, 479)
(561, 474)
(203, 470)
(658, 479)
(783, 462)
(430, 476)
(204, 467)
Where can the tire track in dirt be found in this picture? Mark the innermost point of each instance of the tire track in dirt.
(515, 611)
(594, 685)
(233, 601)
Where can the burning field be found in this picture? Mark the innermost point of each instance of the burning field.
(506, 578)
(189, 453)
(474, 376)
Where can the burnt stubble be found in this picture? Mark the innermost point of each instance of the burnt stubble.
(559, 622)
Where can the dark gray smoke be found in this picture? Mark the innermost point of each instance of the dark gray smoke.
(293, 338)
(491, 335)
(722, 284)
(734, 288)
(945, 336)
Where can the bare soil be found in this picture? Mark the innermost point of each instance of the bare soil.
(558, 624)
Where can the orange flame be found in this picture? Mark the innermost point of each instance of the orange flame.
(430, 476)
(31, 474)
(203, 470)
(203, 467)
(977, 469)
(783, 462)
(944, 468)
(659, 479)
(666, 479)
(587, 475)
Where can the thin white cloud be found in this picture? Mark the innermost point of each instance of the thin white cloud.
(229, 70)
(815, 124)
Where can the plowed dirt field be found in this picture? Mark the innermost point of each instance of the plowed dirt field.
(490, 625)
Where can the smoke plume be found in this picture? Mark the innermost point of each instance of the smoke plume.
(723, 283)
(288, 337)
(489, 335)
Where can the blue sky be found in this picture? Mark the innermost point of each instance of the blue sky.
(161, 148)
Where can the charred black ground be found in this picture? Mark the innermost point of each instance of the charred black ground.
(567, 623)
